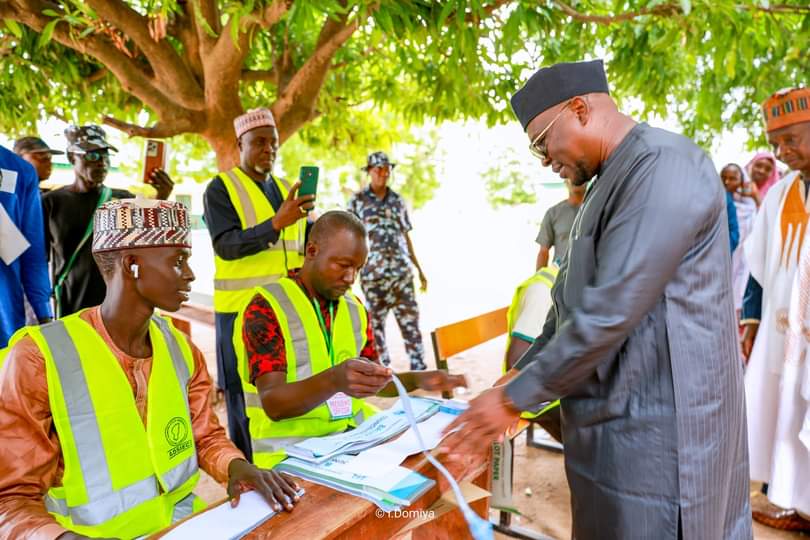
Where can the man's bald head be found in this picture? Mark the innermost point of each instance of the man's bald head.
(333, 221)
(336, 251)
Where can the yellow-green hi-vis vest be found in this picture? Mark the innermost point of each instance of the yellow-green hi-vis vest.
(546, 275)
(234, 280)
(121, 479)
(307, 355)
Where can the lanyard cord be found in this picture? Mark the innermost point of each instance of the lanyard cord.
(480, 529)
(327, 334)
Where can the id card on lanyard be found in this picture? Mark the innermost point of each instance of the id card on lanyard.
(339, 405)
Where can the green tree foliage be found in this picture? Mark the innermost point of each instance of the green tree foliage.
(163, 68)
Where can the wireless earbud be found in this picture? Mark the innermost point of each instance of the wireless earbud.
(134, 268)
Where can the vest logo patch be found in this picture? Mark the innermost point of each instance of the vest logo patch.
(176, 433)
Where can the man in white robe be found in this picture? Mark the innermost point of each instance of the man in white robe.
(773, 380)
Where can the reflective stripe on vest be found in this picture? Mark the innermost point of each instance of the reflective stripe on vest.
(235, 279)
(547, 276)
(306, 356)
(105, 501)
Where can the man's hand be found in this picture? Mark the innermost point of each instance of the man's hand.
(276, 489)
(423, 281)
(487, 418)
(293, 208)
(747, 340)
(438, 381)
(162, 183)
(360, 378)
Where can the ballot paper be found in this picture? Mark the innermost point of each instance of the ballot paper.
(379, 428)
(383, 458)
(224, 522)
(397, 488)
(12, 242)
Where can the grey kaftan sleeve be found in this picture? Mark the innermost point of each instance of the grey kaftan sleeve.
(648, 232)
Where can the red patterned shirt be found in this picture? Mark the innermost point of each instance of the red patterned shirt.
(264, 342)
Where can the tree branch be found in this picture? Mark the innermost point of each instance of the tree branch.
(260, 75)
(661, 10)
(171, 72)
(132, 78)
(296, 103)
(160, 130)
(223, 63)
(666, 10)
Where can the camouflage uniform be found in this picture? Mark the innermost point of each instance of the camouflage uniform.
(386, 279)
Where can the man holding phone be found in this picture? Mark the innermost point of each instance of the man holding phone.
(258, 225)
(386, 279)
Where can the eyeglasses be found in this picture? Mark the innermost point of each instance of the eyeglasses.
(94, 155)
(538, 145)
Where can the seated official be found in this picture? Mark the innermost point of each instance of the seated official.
(105, 413)
(309, 350)
(526, 314)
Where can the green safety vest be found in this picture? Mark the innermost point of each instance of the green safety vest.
(234, 280)
(121, 479)
(307, 355)
(546, 275)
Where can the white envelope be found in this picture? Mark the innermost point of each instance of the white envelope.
(8, 180)
(12, 242)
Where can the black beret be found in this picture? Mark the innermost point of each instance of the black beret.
(555, 84)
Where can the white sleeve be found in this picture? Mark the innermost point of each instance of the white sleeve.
(531, 312)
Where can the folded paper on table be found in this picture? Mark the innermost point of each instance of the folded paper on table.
(224, 522)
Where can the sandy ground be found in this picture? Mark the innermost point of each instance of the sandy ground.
(540, 489)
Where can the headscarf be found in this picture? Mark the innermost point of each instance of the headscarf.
(772, 179)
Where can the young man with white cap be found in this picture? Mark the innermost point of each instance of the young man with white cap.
(257, 225)
(105, 414)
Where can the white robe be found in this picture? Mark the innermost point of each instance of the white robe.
(773, 386)
(790, 487)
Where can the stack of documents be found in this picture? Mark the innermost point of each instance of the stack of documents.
(375, 473)
(377, 429)
(397, 488)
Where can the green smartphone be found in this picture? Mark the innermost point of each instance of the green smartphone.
(309, 180)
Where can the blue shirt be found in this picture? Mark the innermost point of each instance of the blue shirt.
(29, 272)
(733, 223)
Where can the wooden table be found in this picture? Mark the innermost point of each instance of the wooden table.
(324, 513)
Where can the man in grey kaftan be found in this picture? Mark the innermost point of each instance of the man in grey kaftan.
(640, 342)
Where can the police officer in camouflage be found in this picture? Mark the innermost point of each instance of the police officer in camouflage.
(387, 279)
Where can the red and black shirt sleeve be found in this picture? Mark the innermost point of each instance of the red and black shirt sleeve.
(370, 350)
(264, 342)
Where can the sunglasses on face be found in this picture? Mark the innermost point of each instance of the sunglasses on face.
(95, 155)
(538, 145)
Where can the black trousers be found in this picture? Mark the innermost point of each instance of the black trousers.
(228, 380)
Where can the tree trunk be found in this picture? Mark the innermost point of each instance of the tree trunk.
(223, 143)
